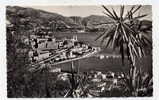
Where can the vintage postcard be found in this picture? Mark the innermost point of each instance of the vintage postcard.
(84, 51)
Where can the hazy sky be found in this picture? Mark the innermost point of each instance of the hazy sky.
(88, 10)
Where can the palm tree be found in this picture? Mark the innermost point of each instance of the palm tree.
(127, 35)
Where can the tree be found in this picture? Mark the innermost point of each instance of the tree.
(127, 35)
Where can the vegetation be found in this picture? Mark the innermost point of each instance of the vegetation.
(142, 85)
(130, 38)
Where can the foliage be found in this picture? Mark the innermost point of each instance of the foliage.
(141, 85)
(126, 34)
(132, 40)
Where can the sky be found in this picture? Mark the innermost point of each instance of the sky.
(84, 11)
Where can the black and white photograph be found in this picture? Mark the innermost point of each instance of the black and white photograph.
(79, 51)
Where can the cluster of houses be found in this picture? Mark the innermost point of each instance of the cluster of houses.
(59, 50)
(97, 76)
(100, 82)
(97, 81)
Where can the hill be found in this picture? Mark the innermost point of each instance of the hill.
(29, 18)
(92, 20)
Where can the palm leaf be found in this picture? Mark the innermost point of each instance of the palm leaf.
(108, 12)
(115, 14)
(112, 17)
(110, 35)
(104, 23)
(115, 34)
(132, 58)
(121, 12)
(131, 18)
(150, 82)
(108, 42)
(124, 32)
(144, 79)
(101, 35)
(141, 16)
(126, 26)
(134, 50)
(102, 41)
(132, 8)
(128, 13)
(106, 33)
(134, 11)
(145, 40)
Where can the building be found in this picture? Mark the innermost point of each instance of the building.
(44, 43)
(43, 55)
(51, 45)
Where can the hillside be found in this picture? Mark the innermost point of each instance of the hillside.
(92, 20)
(32, 18)
(36, 15)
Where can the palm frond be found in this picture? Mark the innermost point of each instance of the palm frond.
(115, 34)
(132, 8)
(121, 12)
(108, 42)
(145, 40)
(141, 16)
(124, 33)
(106, 23)
(101, 35)
(110, 36)
(115, 14)
(131, 18)
(105, 34)
(127, 30)
(150, 82)
(109, 12)
(134, 11)
(126, 26)
(112, 17)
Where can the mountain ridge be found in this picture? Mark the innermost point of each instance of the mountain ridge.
(40, 16)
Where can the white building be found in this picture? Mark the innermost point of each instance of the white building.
(43, 55)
